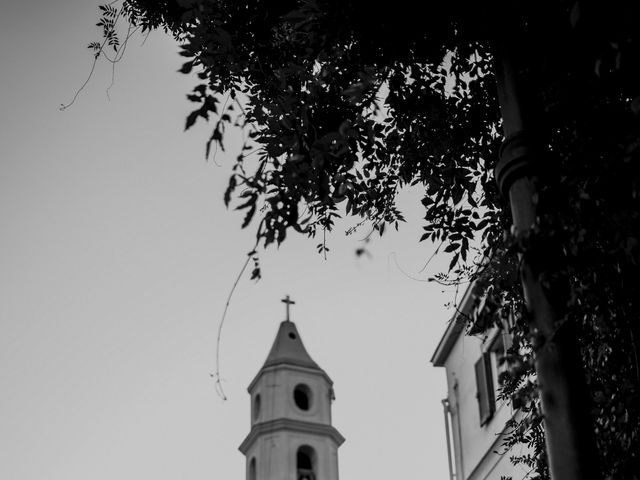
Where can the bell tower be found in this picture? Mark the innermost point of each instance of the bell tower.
(291, 436)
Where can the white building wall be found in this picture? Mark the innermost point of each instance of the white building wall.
(475, 444)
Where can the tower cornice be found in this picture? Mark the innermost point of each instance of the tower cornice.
(287, 424)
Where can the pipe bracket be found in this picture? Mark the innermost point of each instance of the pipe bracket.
(516, 161)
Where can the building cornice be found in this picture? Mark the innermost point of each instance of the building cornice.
(290, 425)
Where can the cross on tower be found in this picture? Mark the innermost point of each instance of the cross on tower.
(289, 302)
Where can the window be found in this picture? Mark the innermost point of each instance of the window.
(302, 396)
(484, 384)
(252, 469)
(305, 463)
(489, 369)
(256, 407)
(501, 343)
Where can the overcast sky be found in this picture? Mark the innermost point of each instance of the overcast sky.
(116, 257)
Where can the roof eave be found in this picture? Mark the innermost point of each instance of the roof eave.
(451, 334)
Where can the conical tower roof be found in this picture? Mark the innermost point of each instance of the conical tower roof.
(288, 349)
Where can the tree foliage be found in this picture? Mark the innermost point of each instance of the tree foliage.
(343, 105)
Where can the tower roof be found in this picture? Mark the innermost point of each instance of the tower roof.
(288, 349)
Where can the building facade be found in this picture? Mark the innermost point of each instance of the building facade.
(291, 435)
(474, 416)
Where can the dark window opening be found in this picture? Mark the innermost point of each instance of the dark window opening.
(252, 469)
(292, 335)
(256, 407)
(484, 383)
(305, 463)
(302, 397)
(304, 460)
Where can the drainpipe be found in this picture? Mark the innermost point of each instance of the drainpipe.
(447, 415)
(565, 401)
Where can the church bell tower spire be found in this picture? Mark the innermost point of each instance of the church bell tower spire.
(291, 435)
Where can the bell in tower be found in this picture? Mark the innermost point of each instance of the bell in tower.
(291, 435)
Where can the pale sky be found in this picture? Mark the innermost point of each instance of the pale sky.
(116, 257)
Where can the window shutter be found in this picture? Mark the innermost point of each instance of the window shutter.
(484, 383)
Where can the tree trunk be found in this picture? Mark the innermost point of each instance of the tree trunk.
(569, 435)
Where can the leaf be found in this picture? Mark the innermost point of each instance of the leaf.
(230, 188)
(249, 215)
(217, 136)
(256, 274)
(457, 195)
(248, 203)
(191, 119)
(451, 247)
(454, 260)
(482, 223)
(186, 67)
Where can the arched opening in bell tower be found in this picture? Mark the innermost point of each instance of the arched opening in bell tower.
(306, 463)
(302, 396)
